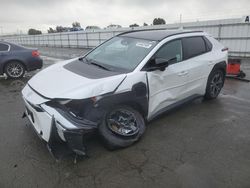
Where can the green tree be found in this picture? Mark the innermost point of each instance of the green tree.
(51, 30)
(134, 25)
(34, 32)
(159, 21)
(145, 24)
(76, 24)
(59, 29)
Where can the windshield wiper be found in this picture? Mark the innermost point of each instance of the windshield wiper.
(98, 65)
(83, 59)
(92, 62)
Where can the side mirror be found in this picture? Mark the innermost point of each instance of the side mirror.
(158, 64)
(161, 63)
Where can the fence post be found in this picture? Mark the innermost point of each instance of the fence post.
(54, 38)
(77, 44)
(87, 39)
(61, 39)
(99, 37)
(219, 32)
(68, 40)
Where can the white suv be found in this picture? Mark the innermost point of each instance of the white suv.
(121, 84)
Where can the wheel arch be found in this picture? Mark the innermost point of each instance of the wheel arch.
(14, 60)
(137, 99)
(136, 106)
(221, 66)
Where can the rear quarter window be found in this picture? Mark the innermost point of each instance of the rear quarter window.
(193, 46)
(3, 47)
(208, 44)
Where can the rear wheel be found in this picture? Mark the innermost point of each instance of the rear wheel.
(214, 84)
(121, 127)
(14, 69)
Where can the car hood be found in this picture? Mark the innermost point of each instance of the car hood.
(74, 79)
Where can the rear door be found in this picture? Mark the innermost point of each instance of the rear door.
(168, 86)
(197, 59)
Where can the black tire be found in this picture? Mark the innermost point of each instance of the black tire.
(241, 75)
(115, 140)
(214, 84)
(14, 70)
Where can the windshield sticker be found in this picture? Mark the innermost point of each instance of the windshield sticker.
(143, 45)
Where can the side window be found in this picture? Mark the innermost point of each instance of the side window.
(208, 44)
(171, 50)
(3, 47)
(193, 46)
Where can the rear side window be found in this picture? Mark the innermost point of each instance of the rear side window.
(208, 44)
(4, 47)
(193, 46)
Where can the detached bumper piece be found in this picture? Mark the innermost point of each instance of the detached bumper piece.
(62, 142)
(75, 142)
(64, 134)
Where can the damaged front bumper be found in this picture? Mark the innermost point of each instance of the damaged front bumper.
(58, 130)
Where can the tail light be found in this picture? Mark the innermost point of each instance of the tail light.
(35, 53)
(224, 49)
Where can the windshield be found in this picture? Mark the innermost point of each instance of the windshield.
(121, 53)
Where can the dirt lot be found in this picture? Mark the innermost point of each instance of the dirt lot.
(202, 144)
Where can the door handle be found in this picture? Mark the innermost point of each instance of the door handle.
(183, 73)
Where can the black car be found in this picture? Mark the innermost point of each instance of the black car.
(15, 60)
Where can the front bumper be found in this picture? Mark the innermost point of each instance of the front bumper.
(55, 128)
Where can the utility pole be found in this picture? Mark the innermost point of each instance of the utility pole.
(180, 19)
(180, 27)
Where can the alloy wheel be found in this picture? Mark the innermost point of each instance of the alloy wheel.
(15, 70)
(122, 122)
(216, 84)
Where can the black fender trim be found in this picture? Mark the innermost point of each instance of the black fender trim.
(221, 65)
(137, 98)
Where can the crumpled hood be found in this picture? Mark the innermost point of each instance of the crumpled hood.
(58, 82)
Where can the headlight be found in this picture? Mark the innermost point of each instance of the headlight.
(79, 108)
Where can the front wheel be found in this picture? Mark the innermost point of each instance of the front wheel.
(121, 127)
(14, 70)
(214, 84)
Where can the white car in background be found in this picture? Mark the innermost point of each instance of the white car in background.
(123, 83)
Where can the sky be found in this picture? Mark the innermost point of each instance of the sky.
(19, 15)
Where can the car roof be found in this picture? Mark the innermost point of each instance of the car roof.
(155, 34)
(13, 46)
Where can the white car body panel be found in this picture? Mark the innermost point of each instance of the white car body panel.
(58, 82)
(166, 87)
(32, 96)
(42, 121)
(130, 80)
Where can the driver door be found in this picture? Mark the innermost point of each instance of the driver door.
(169, 86)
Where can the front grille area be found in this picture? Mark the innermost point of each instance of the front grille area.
(36, 107)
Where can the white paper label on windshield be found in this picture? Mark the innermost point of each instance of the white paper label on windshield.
(143, 45)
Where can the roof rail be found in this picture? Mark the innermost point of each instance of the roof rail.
(181, 31)
(138, 30)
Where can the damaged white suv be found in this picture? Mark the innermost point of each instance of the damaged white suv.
(121, 84)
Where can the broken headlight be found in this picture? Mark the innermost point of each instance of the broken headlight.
(78, 108)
